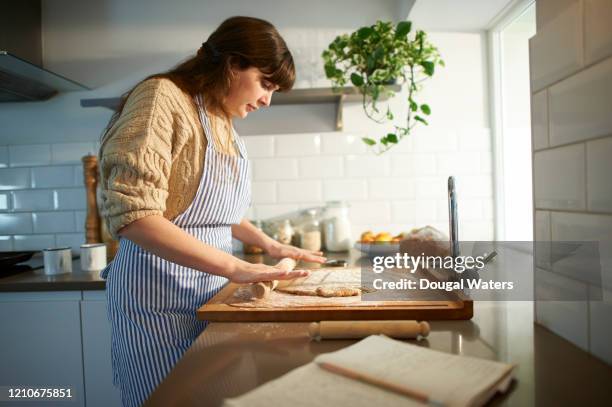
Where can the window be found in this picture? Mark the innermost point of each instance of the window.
(509, 41)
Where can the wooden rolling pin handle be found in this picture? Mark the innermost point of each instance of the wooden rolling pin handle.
(362, 329)
(263, 288)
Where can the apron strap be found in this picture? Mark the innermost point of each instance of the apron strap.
(238, 144)
(205, 121)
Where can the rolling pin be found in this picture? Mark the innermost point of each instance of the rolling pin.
(263, 288)
(362, 329)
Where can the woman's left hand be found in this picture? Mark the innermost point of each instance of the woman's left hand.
(279, 251)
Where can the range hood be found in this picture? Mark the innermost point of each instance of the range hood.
(23, 81)
(22, 77)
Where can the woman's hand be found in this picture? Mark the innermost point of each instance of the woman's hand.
(279, 250)
(244, 272)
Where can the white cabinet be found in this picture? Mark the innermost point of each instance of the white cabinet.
(98, 373)
(58, 339)
(40, 344)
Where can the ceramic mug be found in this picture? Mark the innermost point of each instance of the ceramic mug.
(57, 260)
(93, 256)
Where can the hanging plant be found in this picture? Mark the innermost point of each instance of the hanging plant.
(374, 57)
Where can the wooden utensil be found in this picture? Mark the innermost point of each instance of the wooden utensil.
(384, 384)
(363, 329)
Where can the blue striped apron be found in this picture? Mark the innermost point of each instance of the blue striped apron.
(152, 302)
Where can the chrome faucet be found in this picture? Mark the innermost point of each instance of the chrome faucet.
(453, 222)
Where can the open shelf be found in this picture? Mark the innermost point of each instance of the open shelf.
(293, 97)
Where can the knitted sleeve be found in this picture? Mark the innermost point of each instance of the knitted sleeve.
(136, 157)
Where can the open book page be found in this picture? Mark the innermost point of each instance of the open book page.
(312, 386)
(450, 379)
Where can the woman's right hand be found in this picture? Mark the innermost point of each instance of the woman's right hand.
(244, 272)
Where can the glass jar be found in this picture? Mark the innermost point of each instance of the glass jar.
(337, 226)
(285, 232)
(311, 232)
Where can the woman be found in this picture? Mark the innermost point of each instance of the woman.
(175, 186)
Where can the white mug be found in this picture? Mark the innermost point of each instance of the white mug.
(57, 260)
(93, 256)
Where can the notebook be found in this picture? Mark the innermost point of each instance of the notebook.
(380, 367)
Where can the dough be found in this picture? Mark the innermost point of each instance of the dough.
(323, 291)
(327, 282)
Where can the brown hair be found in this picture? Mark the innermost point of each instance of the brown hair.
(239, 42)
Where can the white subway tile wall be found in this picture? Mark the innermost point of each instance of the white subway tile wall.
(4, 201)
(263, 192)
(44, 205)
(341, 144)
(539, 120)
(33, 242)
(24, 156)
(298, 145)
(53, 222)
(4, 157)
(72, 240)
(598, 30)
(14, 178)
(599, 168)
(73, 198)
(259, 146)
(367, 166)
(13, 223)
(402, 189)
(51, 177)
(69, 153)
(299, 191)
(345, 189)
(33, 200)
(6, 243)
(580, 105)
(559, 175)
(556, 50)
(320, 167)
(563, 306)
(571, 61)
(42, 198)
(274, 168)
(542, 236)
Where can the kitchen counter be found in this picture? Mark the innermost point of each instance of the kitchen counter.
(35, 280)
(229, 359)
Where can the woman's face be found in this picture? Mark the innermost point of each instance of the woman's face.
(249, 91)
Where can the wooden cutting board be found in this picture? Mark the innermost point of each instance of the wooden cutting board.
(233, 304)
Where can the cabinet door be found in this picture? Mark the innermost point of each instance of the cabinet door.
(96, 352)
(40, 344)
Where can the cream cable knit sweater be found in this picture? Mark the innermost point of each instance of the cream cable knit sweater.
(152, 158)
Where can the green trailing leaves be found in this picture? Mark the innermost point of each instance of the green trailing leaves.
(379, 53)
(356, 79)
(428, 67)
(364, 32)
(373, 58)
(368, 141)
(389, 114)
(420, 119)
(402, 29)
(392, 138)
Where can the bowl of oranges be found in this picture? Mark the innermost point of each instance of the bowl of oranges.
(378, 244)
